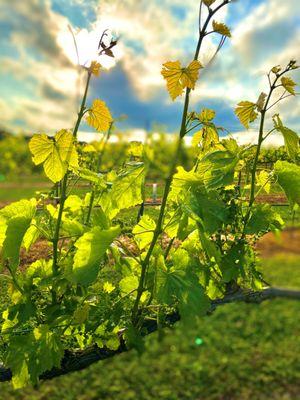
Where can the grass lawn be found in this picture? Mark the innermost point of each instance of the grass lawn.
(248, 352)
(13, 190)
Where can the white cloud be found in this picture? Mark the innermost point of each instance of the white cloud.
(250, 137)
(150, 34)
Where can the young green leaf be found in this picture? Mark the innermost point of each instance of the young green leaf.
(206, 115)
(263, 180)
(291, 139)
(99, 116)
(263, 219)
(209, 208)
(91, 248)
(217, 169)
(143, 231)
(246, 113)
(288, 176)
(127, 191)
(207, 137)
(175, 284)
(56, 154)
(179, 78)
(28, 356)
(129, 284)
(208, 3)
(17, 218)
(288, 84)
(221, 28)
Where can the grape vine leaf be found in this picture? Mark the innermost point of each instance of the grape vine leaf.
(94, 68)
(246, 113)
(177, 283)
(143, 231)
(17, 219)
(208, 3)
(209, 208)
(232, 262)
(263, 219)
(288, 84)
(73, 203)
(221, 28)
(291, 139)
(207, 136)
(288, 176)
(217, 168)
(90, 249)
(56, 154)
(263, 180)
(28, 356)
(99, 116)
(206, 115)
(129, 284)
(179, 78)
(126, 191)
(91, 176)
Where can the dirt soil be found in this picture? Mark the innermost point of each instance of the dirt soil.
(286, 242)
(40, 249)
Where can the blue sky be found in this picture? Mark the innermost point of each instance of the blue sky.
(39, 78)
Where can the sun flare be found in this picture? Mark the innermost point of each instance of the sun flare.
(86, 49)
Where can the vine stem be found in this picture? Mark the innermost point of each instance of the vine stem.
(92, 198)
(75, 360)
(182, 133)
(64, 184)
(261, 139)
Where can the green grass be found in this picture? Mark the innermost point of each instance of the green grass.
(16, 189)
(248, 352)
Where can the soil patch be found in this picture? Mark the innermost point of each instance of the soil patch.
(287, 241)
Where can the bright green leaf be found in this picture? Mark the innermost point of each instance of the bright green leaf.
(288, 84)
(99, 116)
(91, 248)
(221, 28)
(143, 231)
(291, 138)
(288, 176)
(246, 113)
(56, 154)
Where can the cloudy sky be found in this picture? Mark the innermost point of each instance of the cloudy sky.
(40, 83)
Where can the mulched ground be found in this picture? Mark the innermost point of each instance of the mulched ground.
(287, 242)
(40, 249)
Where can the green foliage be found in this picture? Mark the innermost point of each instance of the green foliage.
(99, 116)
(288, 84)
(288, 176)
(90, 249)
(246, 113)
(263, 218)
(15, 159)
(16, 219)
(56, 155)
(32, 354)
(105, 277)
(221, 28)
(217, 168)
(291, 139)
(126, 191)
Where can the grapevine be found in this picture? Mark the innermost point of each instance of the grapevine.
(107, 285)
